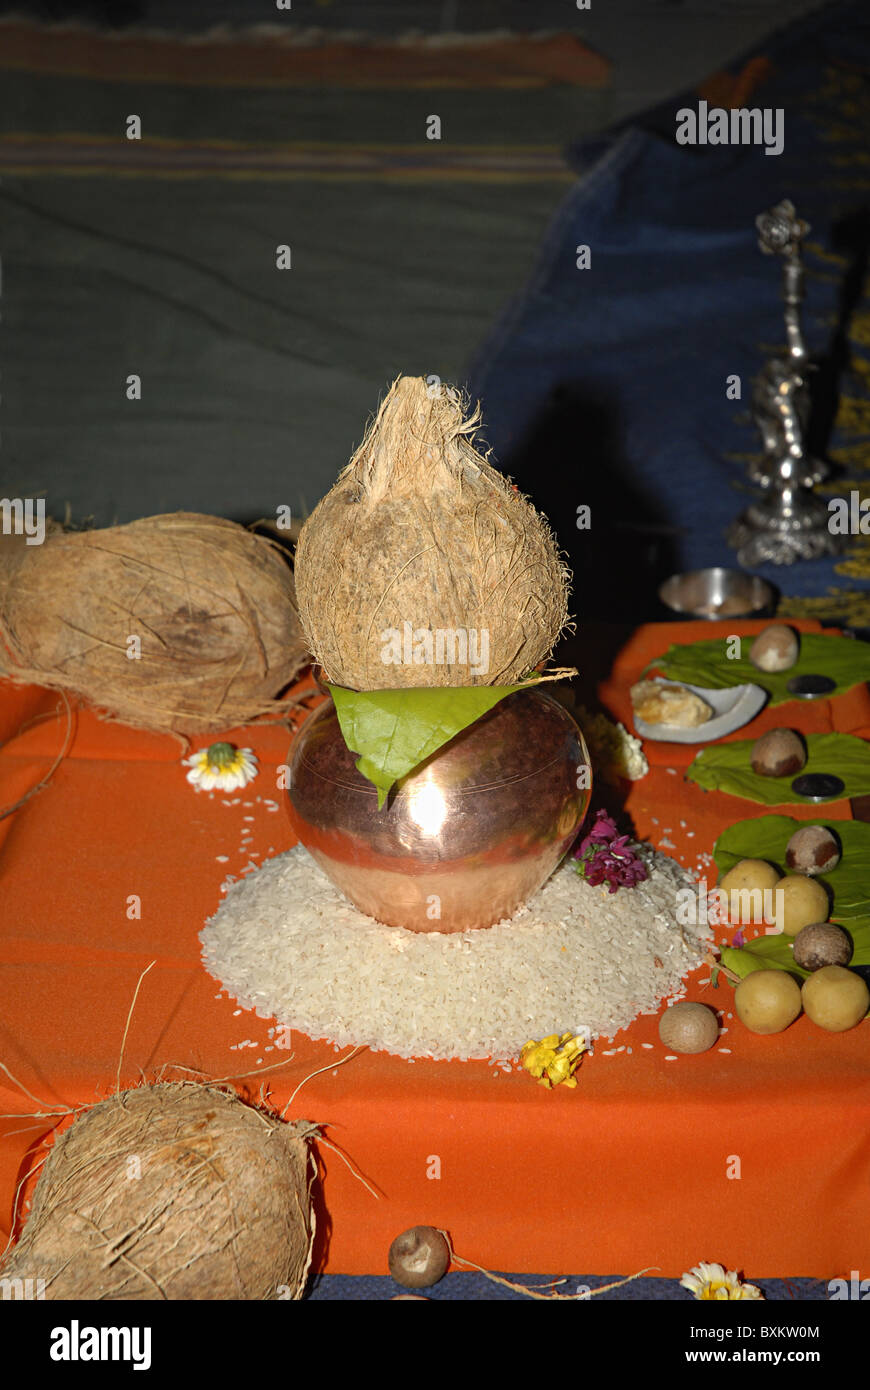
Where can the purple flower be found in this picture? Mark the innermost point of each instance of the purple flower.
(604, 856)
(603, 830)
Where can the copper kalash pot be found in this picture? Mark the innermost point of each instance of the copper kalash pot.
(465, 839)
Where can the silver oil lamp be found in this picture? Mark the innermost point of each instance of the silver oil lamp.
(788, 522)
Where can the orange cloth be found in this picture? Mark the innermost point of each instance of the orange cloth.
(636, 1167)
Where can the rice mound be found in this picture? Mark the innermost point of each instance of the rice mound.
(287, 944)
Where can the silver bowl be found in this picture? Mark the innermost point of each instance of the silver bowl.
(467, 837)
(718, 593)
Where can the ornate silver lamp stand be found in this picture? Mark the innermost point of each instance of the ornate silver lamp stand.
(789, 522)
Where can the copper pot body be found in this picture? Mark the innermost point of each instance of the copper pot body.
(465, 839)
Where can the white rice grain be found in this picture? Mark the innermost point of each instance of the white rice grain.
(287, 944)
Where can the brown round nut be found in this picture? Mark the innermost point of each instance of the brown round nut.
(688, 1027)
(774, 649)
(419, 1257)
(821, 944)
(778, 753)
(813, 849)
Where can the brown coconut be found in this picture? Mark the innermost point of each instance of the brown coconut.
(421, 530)
(177, 1191)
(212, 606)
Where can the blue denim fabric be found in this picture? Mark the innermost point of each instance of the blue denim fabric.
(607, 386)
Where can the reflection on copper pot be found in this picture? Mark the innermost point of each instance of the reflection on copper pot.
(464, 840)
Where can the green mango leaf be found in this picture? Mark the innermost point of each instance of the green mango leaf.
(706, 664)
(726, 767)
(766, 837)
(394, 731)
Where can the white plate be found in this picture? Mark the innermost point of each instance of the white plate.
(732, 708)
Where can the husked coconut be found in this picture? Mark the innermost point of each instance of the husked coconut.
(422, 566)
(172, 1191)
(205, 607)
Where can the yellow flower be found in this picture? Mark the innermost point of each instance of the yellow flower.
(710, 1282)
(554, 1060)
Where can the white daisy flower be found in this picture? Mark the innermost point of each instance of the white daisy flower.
(221, 766)
(710, 1282)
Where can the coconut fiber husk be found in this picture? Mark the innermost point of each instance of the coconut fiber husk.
(421, 534)
(209, 607)
(176, 1191)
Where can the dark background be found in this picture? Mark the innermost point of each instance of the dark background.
(257, 384)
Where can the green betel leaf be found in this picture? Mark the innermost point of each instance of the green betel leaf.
(726, 767)
(821, 654)
(764, 953)
(776, 952)
(766, 837)
(393, 731)
(760, 837)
